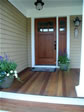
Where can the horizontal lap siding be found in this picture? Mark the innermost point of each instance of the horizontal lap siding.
(75, 47)
(13, 34)
(29, 42)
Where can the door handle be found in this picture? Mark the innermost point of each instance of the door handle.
(55, 46)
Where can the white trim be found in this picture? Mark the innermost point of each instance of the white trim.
(79, 91)
(57, 34)
(79, 88)
(33, 42)
(0, 94)
(68, 36)
(42, 99)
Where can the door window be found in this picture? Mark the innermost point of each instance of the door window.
(46, 26)
(62, 25)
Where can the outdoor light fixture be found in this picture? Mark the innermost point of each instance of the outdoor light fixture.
(77, 22)
(39, 4)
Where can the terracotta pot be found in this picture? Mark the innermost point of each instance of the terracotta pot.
(7, 82)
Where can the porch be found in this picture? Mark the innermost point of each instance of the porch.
(59, 83)
(17, 39)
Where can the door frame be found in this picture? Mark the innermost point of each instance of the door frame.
(57, 42)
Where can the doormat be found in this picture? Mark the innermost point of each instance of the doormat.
(44, 69)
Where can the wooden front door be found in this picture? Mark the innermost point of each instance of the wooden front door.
(62, 35)
(45, 41)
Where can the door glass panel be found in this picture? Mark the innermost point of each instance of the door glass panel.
(62, 29)
(46, 26)
(51, 29)
(45, 30)
(62, 25)
(41, 30)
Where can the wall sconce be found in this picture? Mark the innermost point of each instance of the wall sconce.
(39, 5)
(76, 24)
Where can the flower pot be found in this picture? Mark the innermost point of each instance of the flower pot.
(63, 67)
(7, 82)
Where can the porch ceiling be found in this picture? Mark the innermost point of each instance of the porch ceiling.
(25, 5)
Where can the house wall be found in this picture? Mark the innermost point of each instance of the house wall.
(29, 42)
(75, 44)
(60, 12)
(13, 34)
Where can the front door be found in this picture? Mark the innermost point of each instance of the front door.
(45, 41)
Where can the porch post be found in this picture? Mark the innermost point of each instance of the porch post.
(80, 88)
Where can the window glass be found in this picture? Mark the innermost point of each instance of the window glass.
(46, 26)
(62, 25)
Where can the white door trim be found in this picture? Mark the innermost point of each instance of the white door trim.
(57, 42)
(68, 36)
(33, 42)
(57, 34)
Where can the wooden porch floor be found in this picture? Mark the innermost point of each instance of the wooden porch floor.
(59, 83)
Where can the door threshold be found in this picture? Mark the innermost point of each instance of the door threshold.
(42, 99)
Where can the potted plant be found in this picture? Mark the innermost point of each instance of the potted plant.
(7, 72)
(64, 62)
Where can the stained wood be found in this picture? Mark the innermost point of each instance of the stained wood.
(62, 36)
(24, 106)
(45, 43)
(59, 83)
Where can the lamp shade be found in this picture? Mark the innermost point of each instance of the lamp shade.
(39, 4)
(77, 21)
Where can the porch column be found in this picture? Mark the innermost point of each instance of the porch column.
(80, 88)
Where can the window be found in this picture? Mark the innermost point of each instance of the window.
(46, 26)
(62, 25)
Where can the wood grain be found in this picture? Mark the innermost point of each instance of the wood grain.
(24, 106)
(62, 35)
(59, 83)
(45, 52)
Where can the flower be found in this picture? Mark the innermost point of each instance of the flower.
(8, 74)
(6, 57)
(3, 73)
(0, 80)
(15, 72)
(16, 76)
(11, 71)
(1, 58)
(7, 68)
